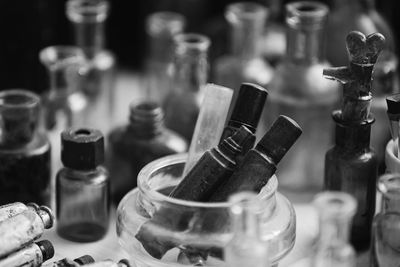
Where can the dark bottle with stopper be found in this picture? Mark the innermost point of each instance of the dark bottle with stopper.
(215, 166)
(246, 111)
(260, 163)
(33, 255)
(82, 187)
(24, 150)
(143, 140)
(351, 165)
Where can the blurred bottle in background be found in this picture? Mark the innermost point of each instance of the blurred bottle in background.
(88, 18)
(361, 15)
(299, 91)
(189, 76)
(161, 27)
(244, 64)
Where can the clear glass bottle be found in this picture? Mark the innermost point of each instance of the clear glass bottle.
(189, 76)
(64, 104)
(161, 27)
(244, 64)
(246, 247)
(24, 150)
(82, 187)
(336, 211)
(31, 255)
(299, 91)
(143, 140)
(385, 249)
(88, 18)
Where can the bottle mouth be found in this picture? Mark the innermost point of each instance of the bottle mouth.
(191, 43)
(245, 11)
(18, 98)
(306, 14)
(331, 205)
(164, 22)
(87, 10)
(389, 185)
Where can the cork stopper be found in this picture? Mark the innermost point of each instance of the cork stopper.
(83, 260)
(279, 138)
(363, 52)
(46, 248)
(249, 106)
(82, 148)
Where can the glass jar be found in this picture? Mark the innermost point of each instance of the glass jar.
(208, 228)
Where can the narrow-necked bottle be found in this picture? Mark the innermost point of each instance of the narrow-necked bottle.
(143, 140)
(299, 91)
(82, 186)
(24, 150)
(244, 64)
(335, 212)
(161, 27)
(31, 255)
(351, 165)
(189, 76)
(88, 18)
(385, 248)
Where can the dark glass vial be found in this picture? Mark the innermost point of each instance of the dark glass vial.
(24, 150)
(143, 140)
(351, 166)
(82, 187)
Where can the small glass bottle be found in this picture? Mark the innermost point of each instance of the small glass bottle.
(336, 211)
(245, 63)
(143, 140)
(385, 249)
(82, 186)
(88, 18)
(24, 150)
(161, 27)
(189, 76)
(31, 255)
(298, 90)
(246, 248)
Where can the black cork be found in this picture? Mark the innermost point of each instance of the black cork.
(85, 259)
(47, 249)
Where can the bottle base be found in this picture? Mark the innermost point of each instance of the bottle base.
(82, 232)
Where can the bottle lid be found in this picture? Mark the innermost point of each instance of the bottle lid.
(85, 259)
(47, 249)
(249, 105)
(279, 138)
(82, 148)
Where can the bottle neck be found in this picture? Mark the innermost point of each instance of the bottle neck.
(191, 62)
(90, 37)
(352, 136)
(247, 22)
(146, 119)
(333, 230)
(305, 21)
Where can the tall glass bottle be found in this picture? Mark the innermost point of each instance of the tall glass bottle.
(335, 212)
(244, 64)
(88, 18)
(24, 150)
(190, 74)
(161, 27)
(133, 146)
(361, 15)
(385, 249)
(299, 91)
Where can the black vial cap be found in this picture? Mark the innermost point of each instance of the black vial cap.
(393, 104)
(46, 248)
(83, 260)
(249, 106)
(82, 148)
(279, 138)
(125, 262)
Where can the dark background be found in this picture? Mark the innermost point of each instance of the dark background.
(27, 26)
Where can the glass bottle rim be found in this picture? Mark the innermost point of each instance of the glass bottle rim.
(306, 14)
(154, 166)
(335, 205)
(18, 98)
(195, 42)
(245, 11)
(165, 22)
(62, 56)
(389, 185)
(87, 10)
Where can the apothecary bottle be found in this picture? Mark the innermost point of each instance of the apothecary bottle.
(161, 27)
(82, 186)
(189, 76)
(24, 150)
(143, 140)
(88, 18)
(299, 91)
(244, 63)
(386, 226)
